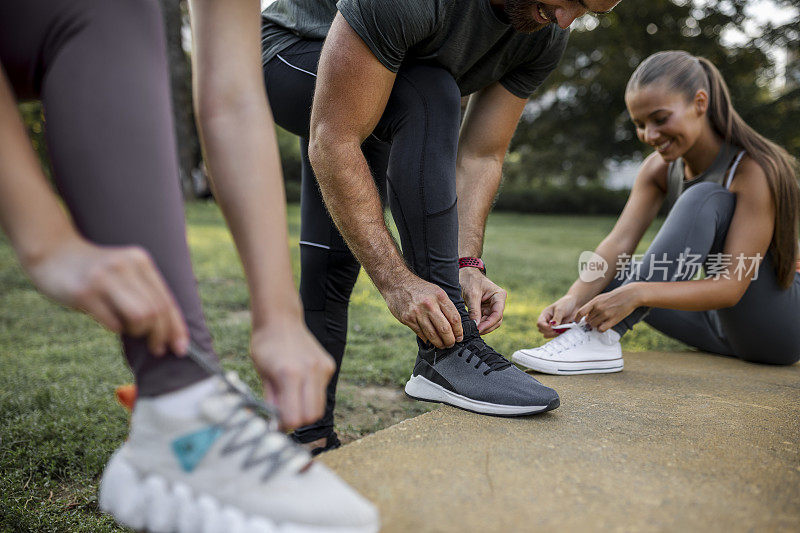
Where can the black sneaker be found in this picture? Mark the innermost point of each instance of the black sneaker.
(472, 376)
(332, 442)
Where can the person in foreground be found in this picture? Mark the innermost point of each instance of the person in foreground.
(202, 453)
(377, 108)
(734, 201)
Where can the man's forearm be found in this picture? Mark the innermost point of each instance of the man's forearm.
(477, 180)
(354, 204)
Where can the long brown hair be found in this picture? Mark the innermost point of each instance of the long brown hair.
(680, 71)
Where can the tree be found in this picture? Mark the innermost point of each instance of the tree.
(578, 122)
(189, 153)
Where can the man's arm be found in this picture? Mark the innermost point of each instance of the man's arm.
(238, 137)
(351, 94)
(491, 118)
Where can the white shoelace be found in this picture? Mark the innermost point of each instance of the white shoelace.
(249, 427)
(575, 335)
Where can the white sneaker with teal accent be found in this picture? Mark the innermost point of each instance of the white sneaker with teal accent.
(226, 471)
(579, 350)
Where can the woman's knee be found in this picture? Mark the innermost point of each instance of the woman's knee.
(705, 197)
(775, 348)
(139, 29)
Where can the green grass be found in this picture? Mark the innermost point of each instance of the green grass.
(58, 369)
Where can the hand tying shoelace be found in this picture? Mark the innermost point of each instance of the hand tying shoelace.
(456, 376)
(579, 349)
(252, 422)
(571, 336)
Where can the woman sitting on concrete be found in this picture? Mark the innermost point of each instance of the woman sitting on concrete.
(733, 198)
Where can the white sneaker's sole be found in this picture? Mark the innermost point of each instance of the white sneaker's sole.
(546, 366)
(154, 505)
(420, 388)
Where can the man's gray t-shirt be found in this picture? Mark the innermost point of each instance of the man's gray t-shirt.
(465, 37)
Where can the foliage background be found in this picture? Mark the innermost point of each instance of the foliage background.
(577, 123)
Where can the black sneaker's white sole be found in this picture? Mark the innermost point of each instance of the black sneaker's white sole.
(420, 388)
(566, 368)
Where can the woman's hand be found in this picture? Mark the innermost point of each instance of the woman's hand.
(607, 310)
(295, 371)
(560, 312)
(120, 287)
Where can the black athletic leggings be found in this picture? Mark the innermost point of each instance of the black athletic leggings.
(412, 153)
(100, 70)
(760, 328)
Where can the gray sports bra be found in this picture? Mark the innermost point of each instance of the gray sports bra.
(721, 171)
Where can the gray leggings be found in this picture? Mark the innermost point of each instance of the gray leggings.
(100, 70)
(761, 327)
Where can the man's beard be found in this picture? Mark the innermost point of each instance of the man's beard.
(519, 14)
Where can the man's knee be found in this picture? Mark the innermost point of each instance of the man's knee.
(327, 277)
(424, 94)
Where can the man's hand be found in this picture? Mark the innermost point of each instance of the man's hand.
(426, 309)
(294, 370)
(485, 300)
(120, 287)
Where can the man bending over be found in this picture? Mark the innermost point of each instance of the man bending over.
(378, 112)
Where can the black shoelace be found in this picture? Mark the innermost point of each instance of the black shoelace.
(485, 354)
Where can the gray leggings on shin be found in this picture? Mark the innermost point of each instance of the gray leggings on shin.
(761, 327)
(100, 70)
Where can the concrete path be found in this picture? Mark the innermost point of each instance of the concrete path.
(689, 442)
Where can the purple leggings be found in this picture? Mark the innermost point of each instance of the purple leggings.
(100, 70)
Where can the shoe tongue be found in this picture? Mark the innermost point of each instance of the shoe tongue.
(494, 360)
(221, 406)
(470, 328)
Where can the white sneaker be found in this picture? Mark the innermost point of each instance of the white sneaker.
(227, 470)
(579, 350)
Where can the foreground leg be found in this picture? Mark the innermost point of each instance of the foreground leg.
(207, 456)
(112, 146)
